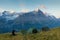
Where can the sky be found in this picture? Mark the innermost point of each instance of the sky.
(47, 6)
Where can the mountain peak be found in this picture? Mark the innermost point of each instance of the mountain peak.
(37, 9)
(5, 12)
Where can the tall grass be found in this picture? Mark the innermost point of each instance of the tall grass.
(53, 34)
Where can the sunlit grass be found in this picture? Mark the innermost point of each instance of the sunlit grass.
(53, 34)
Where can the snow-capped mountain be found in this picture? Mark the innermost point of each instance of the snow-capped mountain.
(9, 16)
(36, 19)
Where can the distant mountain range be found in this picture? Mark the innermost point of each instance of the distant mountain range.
(20, 21)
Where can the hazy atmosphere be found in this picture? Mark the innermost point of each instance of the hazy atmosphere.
(47, 6)
(29, 19)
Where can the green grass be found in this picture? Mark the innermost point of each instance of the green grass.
(53, 34)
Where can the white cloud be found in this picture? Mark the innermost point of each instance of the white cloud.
(42, 6)
(56, 13)
(1, 10)
(25, 10)
(11, 10)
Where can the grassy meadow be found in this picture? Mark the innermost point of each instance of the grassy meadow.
(53, 34)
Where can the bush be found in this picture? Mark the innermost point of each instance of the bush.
(45, 28)
(13, 32)
(34, 31)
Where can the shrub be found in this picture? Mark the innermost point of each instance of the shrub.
(34, 31)
(45, 28)
(13, 32)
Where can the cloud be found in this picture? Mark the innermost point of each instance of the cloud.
(56, 13)
(25, 10)
(42, 6)
(1, 10)
(11, 10)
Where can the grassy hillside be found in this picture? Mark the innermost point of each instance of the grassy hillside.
(53, 34)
